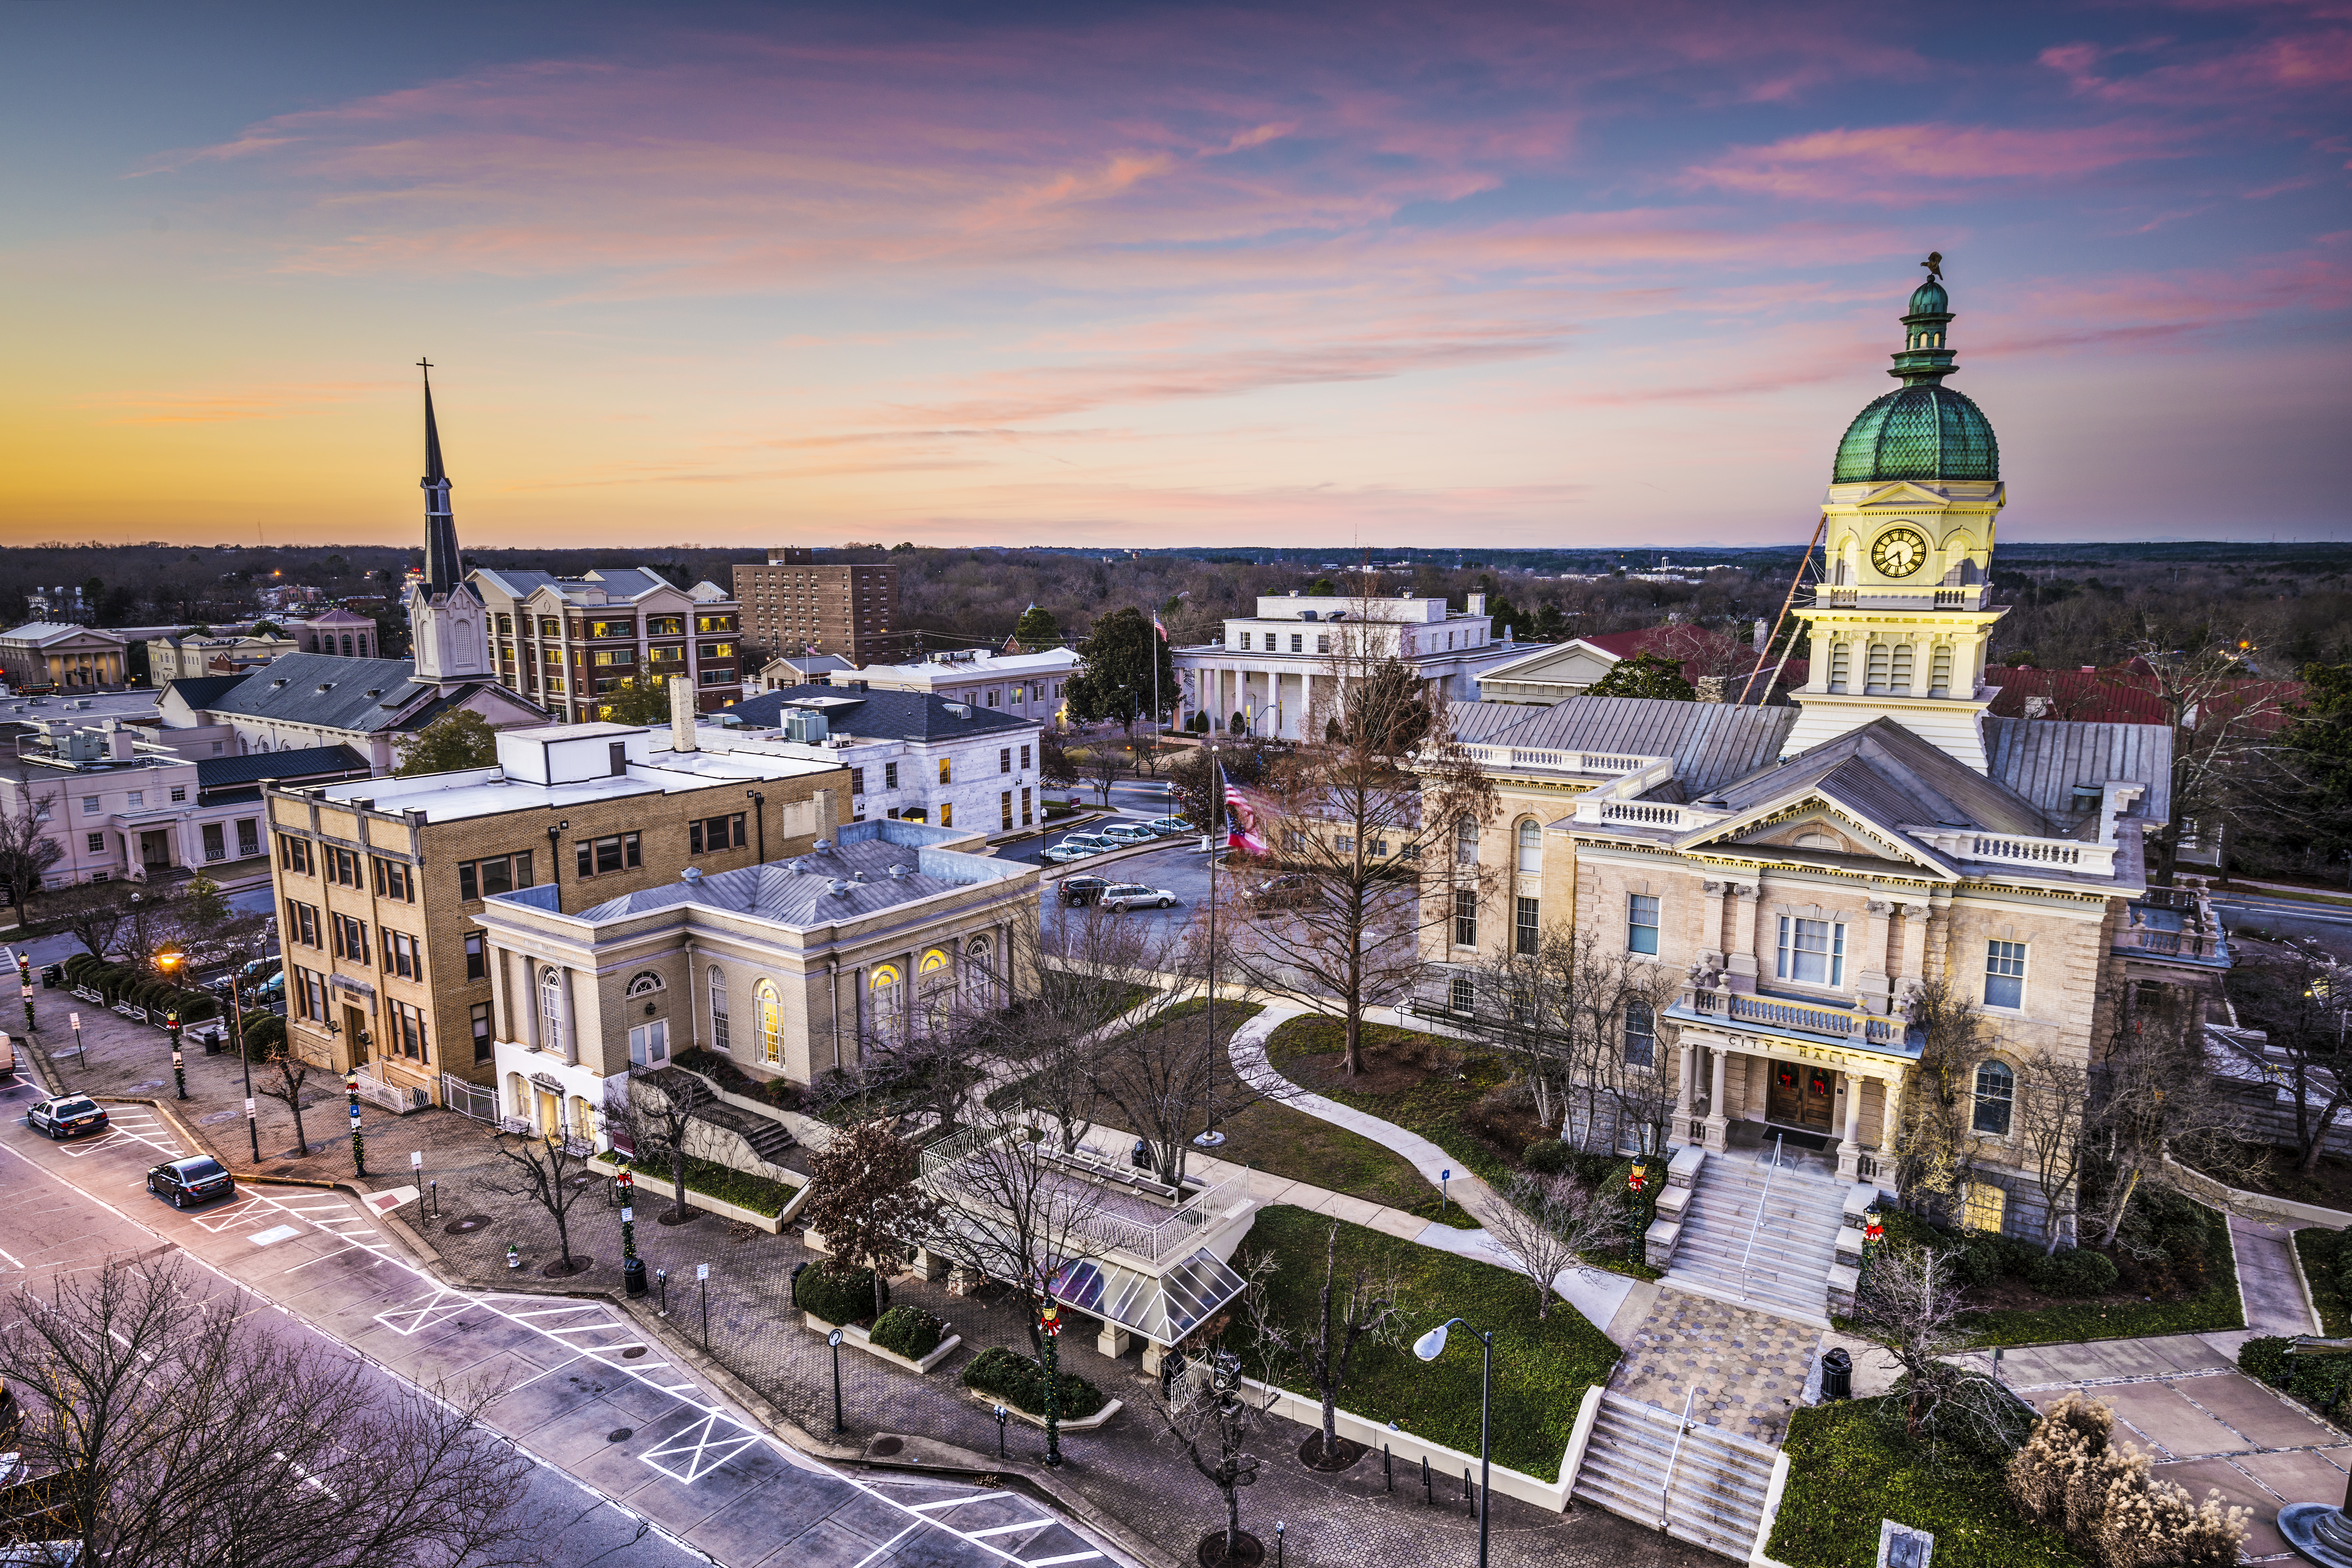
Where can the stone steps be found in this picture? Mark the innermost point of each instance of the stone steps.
(1715, 1494)
(1781, 1263)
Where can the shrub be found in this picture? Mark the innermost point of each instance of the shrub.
(265, 1036)
(2264, 1356)
(2076, 1272)
(1021, 1382)
(1547, 1157)
(1977, 1257)
(910, 1330)
(836, 1295)
(79, 964)
(2100, 1495)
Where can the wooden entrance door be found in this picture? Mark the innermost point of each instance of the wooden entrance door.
(355, 1030)
(156, 850)
(1800, 1096)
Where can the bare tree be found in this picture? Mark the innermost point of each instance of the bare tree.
(1910, 1298)
(2049, 1107)
(1550, 1223)
(865, 1203)
(2296, 996)
(1381, 815)
(134, 1379)
(27, 849)
(658, 1116)
(1166, 1069)
(1008, 1211)
(94, 912)
(547, 1172)
(1361, 1307)
(283, 1078)
(1210, 1421)
(1090, 966)
(2141, 1119)
(1101, 766)
(2221, 716)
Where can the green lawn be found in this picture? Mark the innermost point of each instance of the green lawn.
(2322, 1252)
(1436, 1107)
(1848, 1469)
(1542, 1369)
(2215, 1307)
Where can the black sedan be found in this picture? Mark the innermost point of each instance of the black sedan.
(1077, 892)
(196, 1180)
(66, 1116)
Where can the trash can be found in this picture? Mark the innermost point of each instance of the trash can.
(1140, 1155)
(52, 975)
(1837, 1373)
(632, 1275)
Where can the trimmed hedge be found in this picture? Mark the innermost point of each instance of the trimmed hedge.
(1021, 1382)
(265, 1036)
(2320, 1381)
(782, 1093)
(132, 983)
(2327, 1264)
(713, 1180)
(910, 1330)
(842, 1296)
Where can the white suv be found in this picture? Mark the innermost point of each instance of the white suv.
(1079, 846)
(1136, 896)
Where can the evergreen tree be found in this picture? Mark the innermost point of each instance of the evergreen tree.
(463, 739)
(1116, 681)
(1037, 627)
(1644, 675)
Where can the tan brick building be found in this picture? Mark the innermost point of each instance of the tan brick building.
(793, 603)
(378, 881)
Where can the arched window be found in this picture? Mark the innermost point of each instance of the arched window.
(771, 1010)
(1996, 1088)
(980, 970)
(519, 1095)
(935, 984)
(550, 1009)
(347, 646)
(717, 1008)
(1466, 841)
(1530, 847)
(644, 981)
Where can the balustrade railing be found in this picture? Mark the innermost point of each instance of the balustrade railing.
(1778, 1014)
(2015, 849)
(1558, 761)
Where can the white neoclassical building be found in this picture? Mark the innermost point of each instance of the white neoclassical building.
(1277, 668)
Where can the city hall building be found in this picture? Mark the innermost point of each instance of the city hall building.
(1797, 872)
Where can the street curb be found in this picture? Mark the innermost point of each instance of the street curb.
(1034, 1479)
(43, 1068)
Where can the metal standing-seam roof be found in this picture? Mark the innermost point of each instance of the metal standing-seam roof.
(880, 715)
(302, 763)
(1712, 743)
(1895, 778)
(2044, 760)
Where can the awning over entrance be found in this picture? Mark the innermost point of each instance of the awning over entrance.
(1163, 1310)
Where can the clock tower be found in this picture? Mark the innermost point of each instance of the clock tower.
(1901, 616)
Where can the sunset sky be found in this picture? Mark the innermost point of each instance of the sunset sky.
(1150, 276)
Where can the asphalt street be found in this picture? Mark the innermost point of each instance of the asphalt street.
(637, 1459)
(2329, 925)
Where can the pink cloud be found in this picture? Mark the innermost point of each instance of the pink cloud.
(2254, 75)
(1906, 165)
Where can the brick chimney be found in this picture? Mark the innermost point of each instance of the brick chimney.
(828, 816)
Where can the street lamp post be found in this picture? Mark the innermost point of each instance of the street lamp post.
(633, 1267)
(1050, 1320)
(358, 1144)
(169, 962)
(834, 1340)
(237, 1033)
(1431, 1345)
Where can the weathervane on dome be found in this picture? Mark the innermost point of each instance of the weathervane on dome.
(1934, 266)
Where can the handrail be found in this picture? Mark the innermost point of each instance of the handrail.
(1665, 1490)
(1747, 1282)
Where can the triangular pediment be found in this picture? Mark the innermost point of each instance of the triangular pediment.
(1903, 493)
(1811, 823)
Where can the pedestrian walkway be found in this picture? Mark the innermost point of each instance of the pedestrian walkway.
(2269, 1282)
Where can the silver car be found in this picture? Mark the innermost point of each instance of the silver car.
(1079, 846)
(1131, 832)
(1136, 896)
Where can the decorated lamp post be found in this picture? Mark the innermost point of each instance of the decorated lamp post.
(358, 1144)
(169, 962)
(633, 1267)
(1050, 1321)
(25, 979)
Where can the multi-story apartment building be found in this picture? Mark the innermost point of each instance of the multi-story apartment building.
(564, 642)
(1025, 685)
(794, 603)
(1276, 670)
(912, 757)
(790, 969)
(378, 882)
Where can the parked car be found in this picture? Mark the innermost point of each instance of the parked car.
(1079, 846)
(1077, 892)
(198, 1179)
(1136, 896)
(66, 1116)
(1276, 892)
(1131, 832)
(1170, 826)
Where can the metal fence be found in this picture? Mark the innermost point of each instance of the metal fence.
(469, 1098)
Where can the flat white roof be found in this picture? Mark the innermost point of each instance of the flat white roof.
(488, 792)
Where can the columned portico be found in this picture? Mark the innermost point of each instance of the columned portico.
(1846, 1095)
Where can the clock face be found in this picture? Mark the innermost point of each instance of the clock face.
(1899, 551)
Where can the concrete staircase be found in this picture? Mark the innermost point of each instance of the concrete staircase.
(1708, 1488)
(1787, 1269)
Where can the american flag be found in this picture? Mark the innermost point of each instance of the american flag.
(1157, 627)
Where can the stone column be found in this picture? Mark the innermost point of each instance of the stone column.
(1711, 922)
(1912, 967)
(1685, 1075)
(1744, 963)
(1848, 1164)
(1870, 980)
(1717, 1122)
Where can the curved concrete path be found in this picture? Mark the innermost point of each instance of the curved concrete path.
(1599, 1296)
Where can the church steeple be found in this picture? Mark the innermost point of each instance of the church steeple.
(444, 567)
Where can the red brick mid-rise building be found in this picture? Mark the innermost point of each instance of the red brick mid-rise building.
(793, 603)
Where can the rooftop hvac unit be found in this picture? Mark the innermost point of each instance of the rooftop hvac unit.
(807, 727)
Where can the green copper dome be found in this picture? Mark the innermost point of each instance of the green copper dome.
(1926, 430)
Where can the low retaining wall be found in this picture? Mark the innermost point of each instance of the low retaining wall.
(660, 1192)
(851, 1334)
(2255, 1205)
(1308, 1411)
